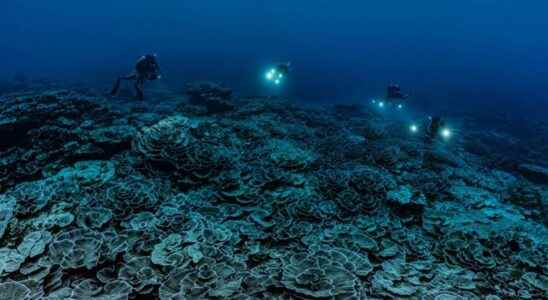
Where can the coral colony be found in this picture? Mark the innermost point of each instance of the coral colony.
(217, 197)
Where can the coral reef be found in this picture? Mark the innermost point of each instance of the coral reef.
(215, 98)
(253, 198)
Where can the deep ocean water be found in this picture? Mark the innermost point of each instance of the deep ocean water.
(207, 196)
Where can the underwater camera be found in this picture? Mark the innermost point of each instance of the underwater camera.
(275, 76)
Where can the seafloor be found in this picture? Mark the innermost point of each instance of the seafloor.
(208, 196)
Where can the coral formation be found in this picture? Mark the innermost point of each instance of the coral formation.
(215, 98)
(253, 198)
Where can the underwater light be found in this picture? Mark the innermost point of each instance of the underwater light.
(381, 104)
(270, 75)
(373, 101)
(413, 128)
(400, 106)
(446, 133)
(277, 81)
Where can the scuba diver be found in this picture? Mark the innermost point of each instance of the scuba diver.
(393, 92)
(146, 68)
(435, 128)
(277, 73)
(283, 68)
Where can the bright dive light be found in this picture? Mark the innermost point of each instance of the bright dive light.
(413, 128)
(381, 104)
(271, 74)
(277, 81)
(400, 106)
(446, 133)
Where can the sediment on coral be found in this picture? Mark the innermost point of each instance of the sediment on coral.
(220, 197)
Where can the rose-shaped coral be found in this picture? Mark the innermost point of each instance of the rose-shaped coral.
(126, 197)
(76, 249)
(371, 181)
(237, 186)
(207, 280)
(318, 276)
(288, 155)
(33, 196)
(467, 251)
(165, 140)
(169, 251)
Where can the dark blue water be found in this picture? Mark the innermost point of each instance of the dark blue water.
(477, 55)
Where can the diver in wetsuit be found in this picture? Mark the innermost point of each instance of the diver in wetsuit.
(433, 128)
(146, 68)
(393, 92)
(283, 68)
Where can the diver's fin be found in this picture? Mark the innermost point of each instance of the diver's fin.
(116, 87)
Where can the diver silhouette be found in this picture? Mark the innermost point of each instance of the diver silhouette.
(283, 68)
(393, 92)
(146, 68)
(433, 128)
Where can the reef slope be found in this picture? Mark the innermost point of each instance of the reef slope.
(254, 198)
